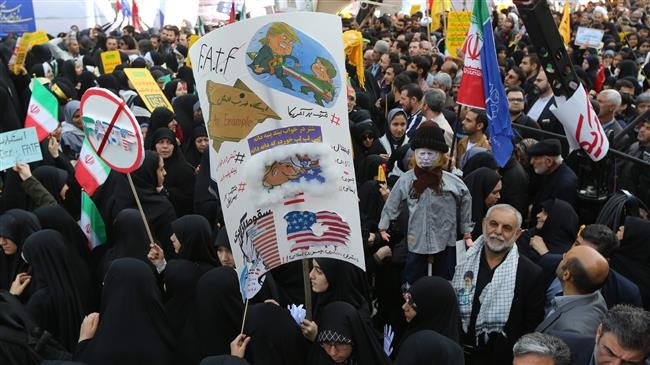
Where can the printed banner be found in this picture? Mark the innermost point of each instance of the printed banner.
(147, 88)
(457, 27)
(110, 60)
(20, 145)
(16, 16)
(581, 124)
(273, 94)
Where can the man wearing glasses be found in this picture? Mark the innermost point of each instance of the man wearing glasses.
(516, 104)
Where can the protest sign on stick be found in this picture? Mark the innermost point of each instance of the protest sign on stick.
(273, 93)
(114, 134)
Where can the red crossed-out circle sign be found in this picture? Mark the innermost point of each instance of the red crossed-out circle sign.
(112, 130)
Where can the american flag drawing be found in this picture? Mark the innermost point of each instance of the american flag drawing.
(300, 224)
(262, 236)
(298, 198)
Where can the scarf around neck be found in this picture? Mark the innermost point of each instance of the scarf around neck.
(496, 297)
(426, 179)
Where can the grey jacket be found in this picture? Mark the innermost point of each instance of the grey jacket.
(576, 313)
(432, 217)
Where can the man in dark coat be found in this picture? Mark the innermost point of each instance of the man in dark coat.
(558, 180)
(513, 302)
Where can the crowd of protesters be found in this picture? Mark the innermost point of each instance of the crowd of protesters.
(543, 260)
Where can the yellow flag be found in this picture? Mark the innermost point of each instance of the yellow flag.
(565, 23)
(353, 43)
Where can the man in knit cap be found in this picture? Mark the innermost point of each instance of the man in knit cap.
(433, 197)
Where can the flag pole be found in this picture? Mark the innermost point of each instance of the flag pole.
(243, 321)
(137, 201)
(307, 287)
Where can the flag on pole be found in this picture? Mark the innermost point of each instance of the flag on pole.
(437, 8)
(481, 86)
(91, 222)
(135, 16)
(242, 13)
(565, 23)
(43, 111)
(232, 13)
(126, 8)
(91, 171)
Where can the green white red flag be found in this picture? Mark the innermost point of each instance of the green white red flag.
(92, 223)
(91, 171)
(43, 111)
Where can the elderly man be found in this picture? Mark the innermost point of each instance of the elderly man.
(540, 349)
(609, 101)
(434, 102)
(557, 179)
(380, 48)
(581, 272)
(499, 292)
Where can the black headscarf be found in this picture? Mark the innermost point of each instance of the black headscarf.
(56, 218)
(194, 233)
(561, 226)
(180, 174)
(16, 225)
(180, 278)
(192, 154)
(133, 327)
(160, 118)
(347, 283)
(436, 307)
(170, 89)
(158, 210)
(215, 318)
(53, 179)
(429, 347)
(626, 68)
(480, 183)
(184, 109)
(363, 128)
(339, 322)
(480, 159)
(129, 238)
(275, 336)
(68, 71)
(57, 305)
(633, 258)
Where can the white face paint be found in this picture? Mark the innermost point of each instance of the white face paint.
(425, 157)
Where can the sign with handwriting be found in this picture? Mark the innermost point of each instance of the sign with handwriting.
(274, 100)
(20, 145)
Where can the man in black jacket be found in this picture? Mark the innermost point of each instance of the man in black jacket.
(557, 181)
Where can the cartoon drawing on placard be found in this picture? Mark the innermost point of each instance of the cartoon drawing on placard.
(306, 230)
(290, 61)
(294, 169)
(284, 171)
(234, 112)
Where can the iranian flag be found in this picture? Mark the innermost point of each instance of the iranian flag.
(90, 171)
(481, 86)
(43, 111)
(91, 222)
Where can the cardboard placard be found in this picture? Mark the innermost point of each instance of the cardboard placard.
(110, 60)
(20, 145)
(112, 130)
(273, 94)
(147, 88)
(457, 27)
(589, 37)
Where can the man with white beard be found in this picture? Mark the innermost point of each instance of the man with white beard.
(500, 293)
(557, 180)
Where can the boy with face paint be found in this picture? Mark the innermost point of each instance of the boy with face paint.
(433, 197)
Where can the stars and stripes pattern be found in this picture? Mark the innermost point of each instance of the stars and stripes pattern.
(299, 230)
(263, 237)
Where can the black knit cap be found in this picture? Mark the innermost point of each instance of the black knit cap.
(429, 135)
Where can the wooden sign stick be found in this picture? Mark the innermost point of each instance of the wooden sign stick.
(137, 201)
